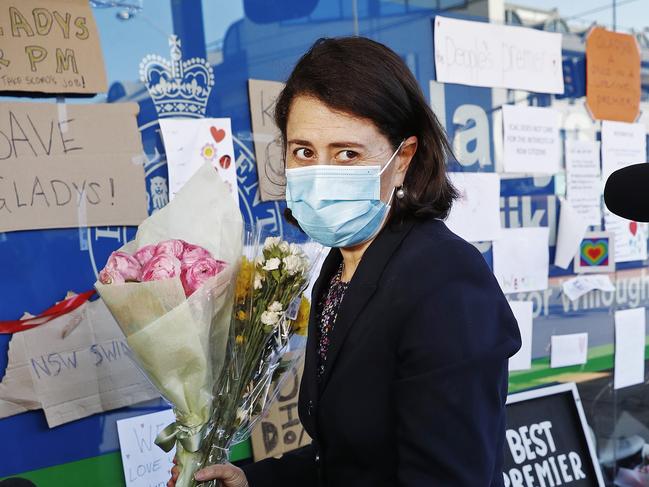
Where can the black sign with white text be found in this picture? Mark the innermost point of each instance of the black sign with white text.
(546, 443)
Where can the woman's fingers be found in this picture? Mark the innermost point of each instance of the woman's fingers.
(175, 471)
(230, 475)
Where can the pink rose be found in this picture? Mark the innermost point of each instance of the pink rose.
(110, 276)
(121, 267)
(145, 254)
(161, 266)
(200, 271)
(170, 247)
(192, 253)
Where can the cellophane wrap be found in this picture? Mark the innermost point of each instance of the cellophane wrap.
(267, 335)
(180, 342)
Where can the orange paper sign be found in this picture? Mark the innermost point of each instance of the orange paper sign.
(612, 75)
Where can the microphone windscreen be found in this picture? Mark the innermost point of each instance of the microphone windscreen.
(626, 192)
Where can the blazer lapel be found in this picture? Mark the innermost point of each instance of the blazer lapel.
(360, 290)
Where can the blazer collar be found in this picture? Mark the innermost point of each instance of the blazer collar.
(360, 290)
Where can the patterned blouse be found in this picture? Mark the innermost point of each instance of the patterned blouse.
(328, 307)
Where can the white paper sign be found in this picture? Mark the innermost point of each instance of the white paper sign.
(522, 310)
(630, 237)
(623, 144)
(483, 54)
(630, 336)
(190, 143)
(521, 259)
(583, 179)
(531, 139)
(475, 215)
(145, 464)
(569, 350)
(572, 228)
(578, 286)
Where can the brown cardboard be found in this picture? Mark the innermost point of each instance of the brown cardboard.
(281, 431)
(70, 166)
(50, 46)
(612, 75)
(267, 139)
(75, 366)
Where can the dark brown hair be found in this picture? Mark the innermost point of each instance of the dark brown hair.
(366, 79)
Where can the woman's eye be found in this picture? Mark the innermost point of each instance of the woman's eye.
(347, 155)
(303, 153)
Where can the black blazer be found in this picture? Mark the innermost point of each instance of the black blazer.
(415, 382)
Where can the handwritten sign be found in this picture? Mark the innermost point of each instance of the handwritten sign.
(482, 54)
(612, 75)
(267, 139)
(144, 463)
(281, 431)
(76, 366)
(548, 442)
(50, 46)
(70, 165)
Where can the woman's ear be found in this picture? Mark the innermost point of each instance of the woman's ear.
(407, 152)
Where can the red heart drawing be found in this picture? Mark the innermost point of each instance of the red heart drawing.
(594, 252)
(633, 226)
(218, 134)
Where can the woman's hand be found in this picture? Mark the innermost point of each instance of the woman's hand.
(228, 474)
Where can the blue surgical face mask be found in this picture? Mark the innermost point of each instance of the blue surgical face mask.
(338, 206)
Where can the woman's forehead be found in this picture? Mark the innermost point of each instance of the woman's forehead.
(311, 120)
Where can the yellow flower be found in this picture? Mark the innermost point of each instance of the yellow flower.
(244, 280)
(301, 323)
(239, 339)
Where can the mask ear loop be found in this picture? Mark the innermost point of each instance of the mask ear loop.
(391, 158)
(388, 204)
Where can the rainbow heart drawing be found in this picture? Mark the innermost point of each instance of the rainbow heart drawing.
(594, 252)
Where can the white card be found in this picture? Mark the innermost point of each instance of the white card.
(521, 259)
(569, 350)
(630, 237)
(578, 286)
(572, 228)
(623, 144)
(522, 310)
(189, 143)
(491, 55)
(145, 463)
(583, 179)
(475, 215)
(531, 140)
(630, 337)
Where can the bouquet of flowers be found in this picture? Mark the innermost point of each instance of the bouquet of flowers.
(214, 328)
(268, 327)
(171, 291)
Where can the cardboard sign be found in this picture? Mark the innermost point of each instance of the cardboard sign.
(70, 166)
(612, 75)
(547, 440)
(281, 431)
(50, 46)
(267, 139)
(75, 366)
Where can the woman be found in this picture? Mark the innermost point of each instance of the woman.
(405, 375)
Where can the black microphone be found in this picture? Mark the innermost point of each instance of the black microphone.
(626, 192)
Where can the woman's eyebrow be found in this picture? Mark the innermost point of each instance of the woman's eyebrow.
(334, 145)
